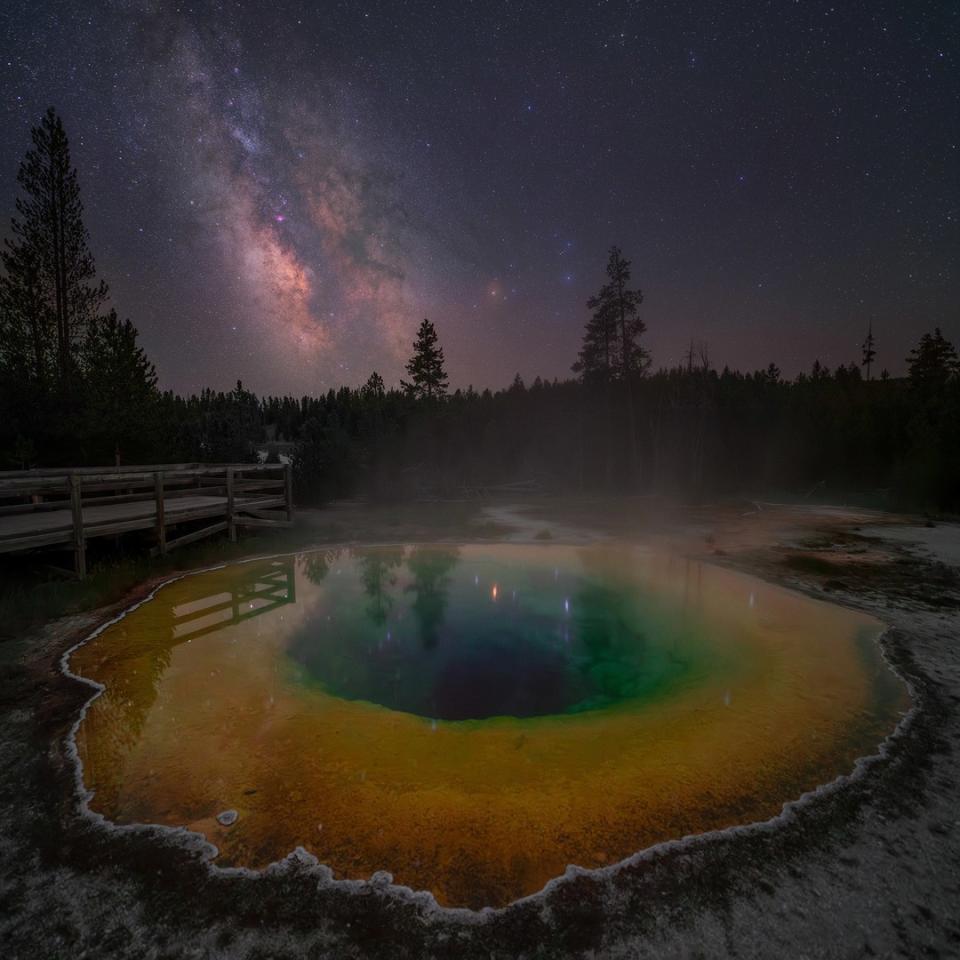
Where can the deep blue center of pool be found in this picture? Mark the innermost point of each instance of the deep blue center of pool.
(424, 631)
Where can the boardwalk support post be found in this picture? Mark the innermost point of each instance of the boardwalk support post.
(161, 519)
(79, 541)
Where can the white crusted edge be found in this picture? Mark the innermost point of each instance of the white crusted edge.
(381, 882)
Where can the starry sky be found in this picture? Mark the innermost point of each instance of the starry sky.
(280, 191)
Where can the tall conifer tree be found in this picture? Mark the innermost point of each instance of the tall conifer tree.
(869, 353)
(611, 348)
(428, 379)
(49, 294)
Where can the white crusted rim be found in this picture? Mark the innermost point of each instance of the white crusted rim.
(382, 881)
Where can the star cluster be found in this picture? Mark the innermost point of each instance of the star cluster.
(280, 192)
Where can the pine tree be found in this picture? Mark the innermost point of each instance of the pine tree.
(373, 389)
(932, 363)
(597, 360)
(121, 389)
(49, 295)
(428, 379)
(625, 304)
(611, 348)
(611, 342)
(869, 354)
(819, 371)
(27, 339)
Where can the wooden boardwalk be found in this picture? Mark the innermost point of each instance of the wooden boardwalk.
(56, 508)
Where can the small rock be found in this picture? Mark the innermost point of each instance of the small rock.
(228, 818)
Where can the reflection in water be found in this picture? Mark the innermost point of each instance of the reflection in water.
(260, 589)
(546, 645)
(375, 574)
(430, 566)
(138, 659)
(473, 719)
(316, 565)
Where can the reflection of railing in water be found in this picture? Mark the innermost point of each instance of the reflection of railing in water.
(138, 663)
(263, 587)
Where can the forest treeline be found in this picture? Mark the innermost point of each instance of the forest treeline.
(76, 389)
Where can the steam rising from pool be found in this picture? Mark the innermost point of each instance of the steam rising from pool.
(472, 719)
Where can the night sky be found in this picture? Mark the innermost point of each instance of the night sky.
(281, 191)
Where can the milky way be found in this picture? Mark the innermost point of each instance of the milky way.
(310, 229)
(281, 192)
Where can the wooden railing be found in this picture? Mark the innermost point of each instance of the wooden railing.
(44, 508)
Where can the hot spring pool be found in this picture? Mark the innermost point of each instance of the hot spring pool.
(473, 719)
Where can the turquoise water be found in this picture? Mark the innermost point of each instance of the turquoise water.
(430, 632)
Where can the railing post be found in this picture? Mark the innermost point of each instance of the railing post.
(79, 542)
(288, 488)
(160, 507)
(231, 526)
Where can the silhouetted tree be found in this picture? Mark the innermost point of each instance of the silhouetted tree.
(928, 469)
(869, 353)
(625, 303)
(373, 389)
(932, 363)
(27, 333)
(49, 293)
(121, 388)
(428, 379)
(74, 384)
(597, 360)
(611, 343)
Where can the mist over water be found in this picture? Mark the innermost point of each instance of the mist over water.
(474, 718)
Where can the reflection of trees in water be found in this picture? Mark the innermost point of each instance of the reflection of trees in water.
(121, 710)
(430, 566)
(316, 565)
(137, 659)
(635, 640)
(614, 648)
(375, 565)
(607, 614)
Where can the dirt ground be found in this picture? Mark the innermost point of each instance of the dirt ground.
(867, 867)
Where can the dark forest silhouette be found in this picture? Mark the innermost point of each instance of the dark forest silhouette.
(75, 389)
